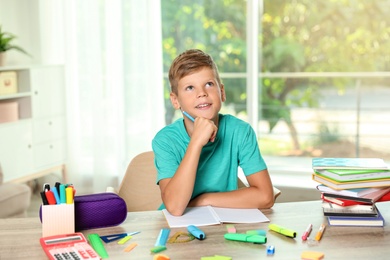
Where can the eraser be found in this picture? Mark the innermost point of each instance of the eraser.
(231, 228)
(312, 255)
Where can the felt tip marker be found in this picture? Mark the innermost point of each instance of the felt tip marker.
(307, 232)
(188, 116)
(282, 230)
(320, 232)
(196, 232)
(257, 239)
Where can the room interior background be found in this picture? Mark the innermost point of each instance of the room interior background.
(116, 55)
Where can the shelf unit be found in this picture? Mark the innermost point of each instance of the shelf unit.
(35, 144)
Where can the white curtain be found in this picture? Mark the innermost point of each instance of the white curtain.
(114, 75)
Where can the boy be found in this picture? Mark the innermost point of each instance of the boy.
(197, 161)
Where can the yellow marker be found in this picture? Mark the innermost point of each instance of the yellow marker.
(130, 247)
(282, 230)
(124, 240)
(320, 232)
(69, 195)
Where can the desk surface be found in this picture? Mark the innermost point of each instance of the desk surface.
(19, 238)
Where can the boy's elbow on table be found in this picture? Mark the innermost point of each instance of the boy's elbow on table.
(268, 201)
(174, 211)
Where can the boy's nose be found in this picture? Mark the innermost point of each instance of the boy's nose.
(202, 93)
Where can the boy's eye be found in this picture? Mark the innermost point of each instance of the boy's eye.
(209, 84)
(189, 88)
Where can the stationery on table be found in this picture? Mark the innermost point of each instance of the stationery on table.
(282, 230)
(307, 232)
(196, 232)
(161, 241)
(208, 215)
(257, 239)
(320, 232)
(96, 243)
(68, 246)
(57, 208)
(113, 237)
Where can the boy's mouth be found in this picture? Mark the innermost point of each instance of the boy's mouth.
(203, 105)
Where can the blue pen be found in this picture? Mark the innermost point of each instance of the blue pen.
(196, 232)
(56, 196)
(188, 116)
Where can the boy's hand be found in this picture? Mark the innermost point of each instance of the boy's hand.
(204, 131)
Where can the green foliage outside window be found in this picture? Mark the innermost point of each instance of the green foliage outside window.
(296, 36)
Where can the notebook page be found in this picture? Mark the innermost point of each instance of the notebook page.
(229, 215)
(197, 216)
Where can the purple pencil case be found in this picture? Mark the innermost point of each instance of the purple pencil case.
(97, 210)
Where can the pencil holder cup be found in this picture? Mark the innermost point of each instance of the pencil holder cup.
(57, 219)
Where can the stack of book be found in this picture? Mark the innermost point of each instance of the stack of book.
(350, 188)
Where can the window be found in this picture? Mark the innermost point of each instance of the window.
(323, 73)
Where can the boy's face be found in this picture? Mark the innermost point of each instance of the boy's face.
(199, 94)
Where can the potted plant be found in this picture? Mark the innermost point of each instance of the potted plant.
(6, 44)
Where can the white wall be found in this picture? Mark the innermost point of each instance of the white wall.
(38, 25)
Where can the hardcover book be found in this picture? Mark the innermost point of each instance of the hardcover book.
(331, 209)
(358, 192)
(343, 175)
(352, 184)
(349, 163)
(342, 202)
(368, 198)
(376, 221)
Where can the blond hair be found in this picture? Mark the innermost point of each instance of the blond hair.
(188, 62)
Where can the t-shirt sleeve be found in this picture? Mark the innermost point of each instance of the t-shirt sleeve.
(165, 160)
(250, 159)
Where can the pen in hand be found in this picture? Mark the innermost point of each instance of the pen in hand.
(188, 116)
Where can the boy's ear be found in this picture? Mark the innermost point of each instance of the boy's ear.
(223, 93)
(174, 101)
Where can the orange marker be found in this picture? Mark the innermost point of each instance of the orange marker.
(320, 232)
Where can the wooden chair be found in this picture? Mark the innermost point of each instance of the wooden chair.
(138, 187)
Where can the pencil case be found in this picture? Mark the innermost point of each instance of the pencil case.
(97, 210)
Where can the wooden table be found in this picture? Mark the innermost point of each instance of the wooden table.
(19, 238)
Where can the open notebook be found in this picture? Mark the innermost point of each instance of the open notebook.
(208, 215)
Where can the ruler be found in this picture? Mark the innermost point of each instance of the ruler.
(162, 237)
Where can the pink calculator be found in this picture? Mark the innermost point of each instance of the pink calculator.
(68, 246)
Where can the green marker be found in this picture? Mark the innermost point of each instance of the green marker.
(257, 239)
(281, 230)
(260, 232)
(97, 245)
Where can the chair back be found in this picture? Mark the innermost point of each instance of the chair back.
(138, 187)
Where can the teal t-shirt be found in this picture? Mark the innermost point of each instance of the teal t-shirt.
(235, 145)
